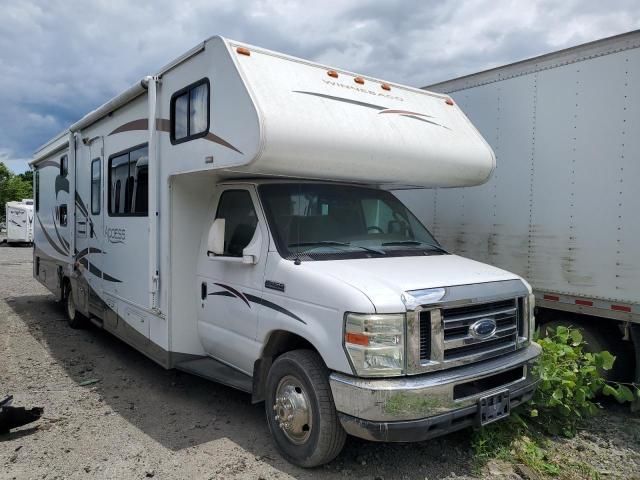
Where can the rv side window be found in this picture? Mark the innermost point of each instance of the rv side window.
(64, 166)
(128, 183)
(236, 207)
(190, 112)
(37, 181)
(95, 186)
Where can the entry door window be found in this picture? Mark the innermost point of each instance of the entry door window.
(236, 207)
(95, 186)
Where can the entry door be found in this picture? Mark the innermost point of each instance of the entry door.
(95, 210)
(231, 291)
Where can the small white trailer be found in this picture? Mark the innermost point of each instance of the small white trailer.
(19, 221)
(230, 217)
(562, 206)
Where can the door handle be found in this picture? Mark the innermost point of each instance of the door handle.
(203, 290)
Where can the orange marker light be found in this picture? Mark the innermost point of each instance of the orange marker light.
(448, 101)
(332, 73)
(385, 86)
(243, 51)
(356, 338)
(359, 80)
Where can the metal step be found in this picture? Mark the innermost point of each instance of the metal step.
(218, 372)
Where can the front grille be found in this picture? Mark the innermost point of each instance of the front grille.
(456, 343)
(460, 344)
(425, 336)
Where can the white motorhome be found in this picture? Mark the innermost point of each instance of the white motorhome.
(19, 220)
(230, 217)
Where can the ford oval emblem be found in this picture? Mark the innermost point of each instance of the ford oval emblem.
(483, 328)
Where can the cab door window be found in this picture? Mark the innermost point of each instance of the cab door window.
(236, 207)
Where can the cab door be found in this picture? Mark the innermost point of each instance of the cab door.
(230, 291)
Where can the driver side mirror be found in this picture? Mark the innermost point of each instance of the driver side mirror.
(215, 240)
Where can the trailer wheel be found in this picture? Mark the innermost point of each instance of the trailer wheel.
(75, 318)
(300, 411)
(599, 338)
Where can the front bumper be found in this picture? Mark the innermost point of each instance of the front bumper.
(420, 407)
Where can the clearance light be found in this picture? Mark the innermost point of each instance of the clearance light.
(448, 101)
(332, 73)
(243, 51)
(385, 86)
(359, 80)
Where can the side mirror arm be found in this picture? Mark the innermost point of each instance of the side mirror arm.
(251, 253)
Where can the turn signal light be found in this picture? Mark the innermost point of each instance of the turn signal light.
(359, 80)
(356, 338)
(332, 73)
(243, 51)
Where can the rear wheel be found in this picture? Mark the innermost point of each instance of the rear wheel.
(75, 318)
(300, 411)
(597, 339)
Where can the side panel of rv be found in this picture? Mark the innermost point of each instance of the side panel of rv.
(52, 217)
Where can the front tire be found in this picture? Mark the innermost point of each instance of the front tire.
(300, 411)
(74, 318)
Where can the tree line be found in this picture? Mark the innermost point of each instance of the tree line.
(13, 187)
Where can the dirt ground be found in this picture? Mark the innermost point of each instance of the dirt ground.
(112, 413)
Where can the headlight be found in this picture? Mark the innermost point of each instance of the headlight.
(532, 319)
(527, 326)
(375, 343)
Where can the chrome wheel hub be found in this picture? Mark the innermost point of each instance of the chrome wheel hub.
(292, 410)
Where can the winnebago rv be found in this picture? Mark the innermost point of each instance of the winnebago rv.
(231, 217)
(19, 220)
(562, 206)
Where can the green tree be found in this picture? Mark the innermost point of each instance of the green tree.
(13, 187)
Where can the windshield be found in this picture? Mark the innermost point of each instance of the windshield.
(323, 221)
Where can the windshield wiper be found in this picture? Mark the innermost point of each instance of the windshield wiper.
(417, 243)
(332, 243)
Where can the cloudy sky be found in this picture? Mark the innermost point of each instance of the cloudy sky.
(62, 58)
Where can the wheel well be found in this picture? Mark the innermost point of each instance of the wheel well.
(279, 342)
(64, 285)
(606, 326)
(612, 332)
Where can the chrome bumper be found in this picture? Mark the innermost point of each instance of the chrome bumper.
(415, 398)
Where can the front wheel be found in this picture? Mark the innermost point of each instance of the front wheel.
(300, 411)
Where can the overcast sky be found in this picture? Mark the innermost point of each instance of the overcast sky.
(62, 58)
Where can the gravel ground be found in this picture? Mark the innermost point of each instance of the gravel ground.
(140, 421)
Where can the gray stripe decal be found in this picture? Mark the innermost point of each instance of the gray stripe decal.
(235, 292)
(49, 239)
(63, 242)
(341, 99)
(230, 292)
(223, 293)
(406, 114)
(273, 306)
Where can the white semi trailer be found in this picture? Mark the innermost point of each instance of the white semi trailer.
(19, 220)
(562, 207)
(230, 216)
